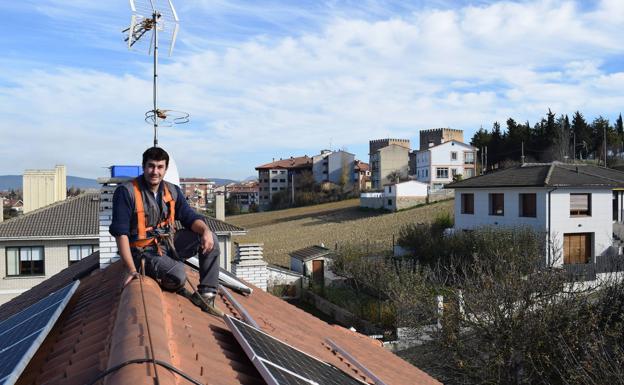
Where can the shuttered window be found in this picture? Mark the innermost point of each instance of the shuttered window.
(528, 205)
(467, 203)
(497, 204)
(580, 204)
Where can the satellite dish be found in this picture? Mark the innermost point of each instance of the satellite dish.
(172, 175)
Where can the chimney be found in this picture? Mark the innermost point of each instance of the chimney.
(249, 264)
(108, 246)
(220, 206)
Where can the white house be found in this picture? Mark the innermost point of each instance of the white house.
(578, 206)
(437, 165)
(398, 196)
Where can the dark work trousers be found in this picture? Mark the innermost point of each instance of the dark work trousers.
(170, 272)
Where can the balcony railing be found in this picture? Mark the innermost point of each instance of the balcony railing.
(588, 271)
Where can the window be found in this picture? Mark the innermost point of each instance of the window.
(282, 188)
(283, 180)
(390, 189)
(454, 171)
(442, 172)
(282, 171)
(528, 205)
(273, 171)
(453, 155)
(25, 261)
(389, 202)
(497, 204)
(469, 157)
(469, 172)
(580, 205)
(467, 203)
(78, 252)
(274, 180)
(273, 188)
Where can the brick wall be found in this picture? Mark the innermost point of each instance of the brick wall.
(249, 264)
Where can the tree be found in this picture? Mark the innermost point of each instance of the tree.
(582, 136)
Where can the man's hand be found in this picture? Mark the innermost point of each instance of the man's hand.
(207, 243)
(130, 277)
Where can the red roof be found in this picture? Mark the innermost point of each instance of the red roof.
(296, 162)
(361, 166)
(104, 326)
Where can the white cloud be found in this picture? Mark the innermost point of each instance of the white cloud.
(351, 80)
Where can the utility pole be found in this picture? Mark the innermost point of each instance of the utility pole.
(486, 160)
(522, 152)
(605, 146)
(574, 145)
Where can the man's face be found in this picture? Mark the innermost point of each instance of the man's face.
(154, 171)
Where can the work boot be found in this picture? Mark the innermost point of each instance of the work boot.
(206, 302)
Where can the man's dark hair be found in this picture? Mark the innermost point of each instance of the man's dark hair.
(155, 153)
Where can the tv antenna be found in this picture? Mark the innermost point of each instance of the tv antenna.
(159, 19)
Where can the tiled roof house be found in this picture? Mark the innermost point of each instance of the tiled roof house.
(39, 244)
(105, 325)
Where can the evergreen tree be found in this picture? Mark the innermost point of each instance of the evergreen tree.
(496, 144)
(582, 136)
(600, 126)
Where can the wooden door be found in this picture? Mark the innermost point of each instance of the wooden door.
(318, 271)
(576, 248)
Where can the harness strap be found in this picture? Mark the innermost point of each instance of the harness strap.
(142, 239)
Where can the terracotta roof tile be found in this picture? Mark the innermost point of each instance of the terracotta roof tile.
(296, 162)
(104, 325)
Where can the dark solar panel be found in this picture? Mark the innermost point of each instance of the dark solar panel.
(22, 333)
(278, 359)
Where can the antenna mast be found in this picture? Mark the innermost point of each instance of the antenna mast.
(162, 20)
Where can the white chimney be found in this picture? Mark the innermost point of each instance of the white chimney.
(249, 264)
(220, 206)
(108, 246)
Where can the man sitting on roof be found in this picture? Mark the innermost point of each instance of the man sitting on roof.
(144, 214)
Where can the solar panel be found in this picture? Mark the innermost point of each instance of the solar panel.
(282, 364)
(22, 334)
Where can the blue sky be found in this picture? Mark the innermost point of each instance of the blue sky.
(270, 79)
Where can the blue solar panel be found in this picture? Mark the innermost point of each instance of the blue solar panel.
(282, 364)
(22, 334)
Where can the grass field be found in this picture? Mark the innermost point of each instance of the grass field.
(338, 222)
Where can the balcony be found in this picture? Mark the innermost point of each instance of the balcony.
(580, 272)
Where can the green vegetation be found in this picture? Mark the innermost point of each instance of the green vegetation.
(552, 138)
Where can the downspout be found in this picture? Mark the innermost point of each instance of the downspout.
(548, 260)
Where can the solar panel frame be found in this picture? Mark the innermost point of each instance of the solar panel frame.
(269, 374)
(50, 308)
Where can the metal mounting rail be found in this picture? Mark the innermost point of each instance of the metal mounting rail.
(334, 346)
(239, 308)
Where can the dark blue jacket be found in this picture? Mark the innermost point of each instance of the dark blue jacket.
(124, 214)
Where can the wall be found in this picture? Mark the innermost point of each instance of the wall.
(371, 200)
(56, 258)
(404, 195)
(340, 162)
(391, 158)
(438, 136)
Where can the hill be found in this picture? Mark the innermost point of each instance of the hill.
(340, 223)
(8, 182)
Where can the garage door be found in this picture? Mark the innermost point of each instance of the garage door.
(577, 248)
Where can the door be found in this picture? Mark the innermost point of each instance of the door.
(577, 248)
(318, 271)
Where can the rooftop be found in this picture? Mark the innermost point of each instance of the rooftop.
(105, 325)
(554, 174)
(292, 162)
(309, 253)
(73, 217)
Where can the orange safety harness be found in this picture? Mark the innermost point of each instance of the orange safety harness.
(142, 239)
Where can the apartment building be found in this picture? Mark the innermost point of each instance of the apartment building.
(362, 175)
(43, 187)
(388, 157)
(333, 166)
(441, 164)
(244, 195)
(281, 175)
(198, 191)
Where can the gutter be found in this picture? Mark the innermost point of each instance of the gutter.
(50, 238)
